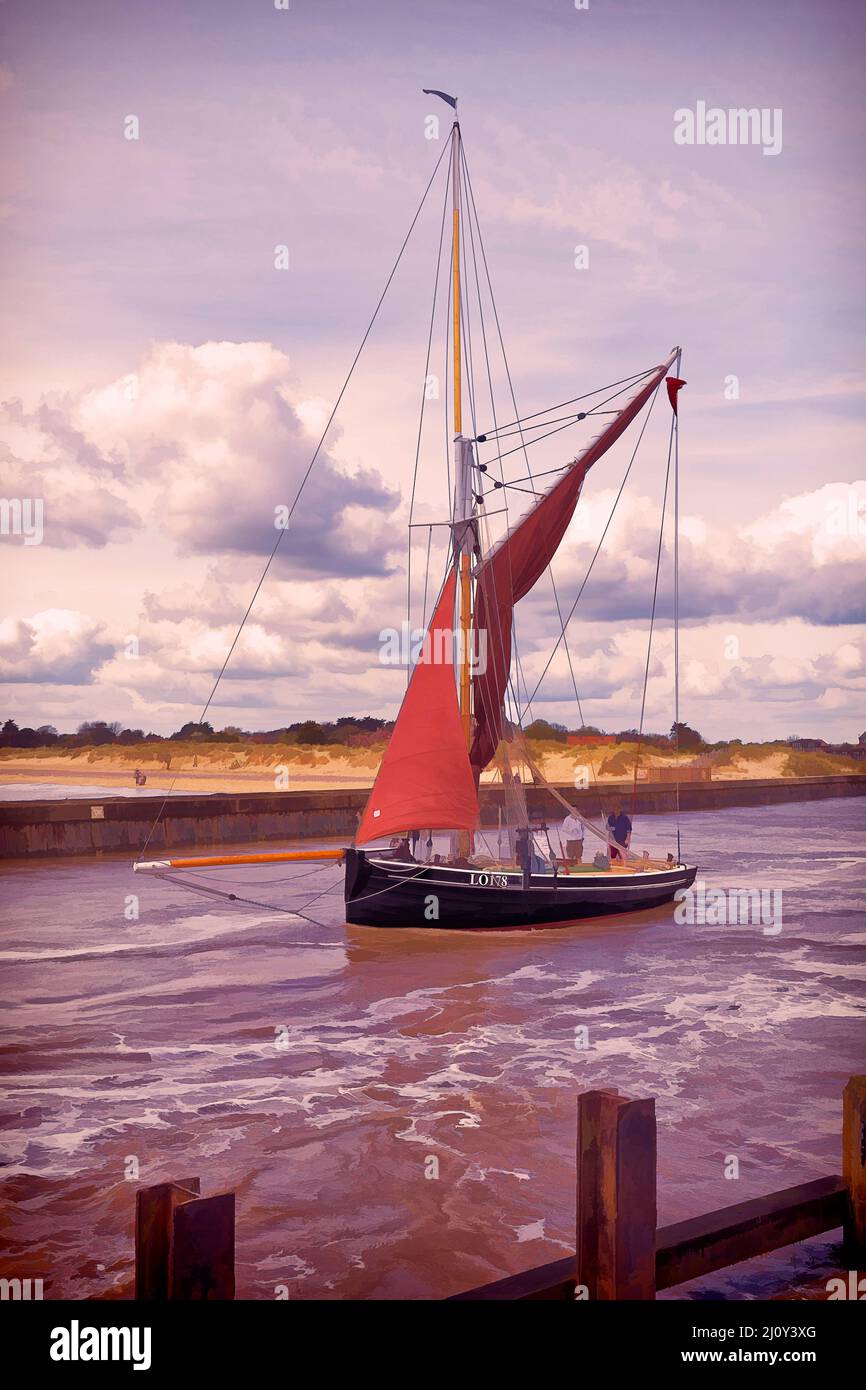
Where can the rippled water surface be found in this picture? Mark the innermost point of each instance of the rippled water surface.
(317, 1068)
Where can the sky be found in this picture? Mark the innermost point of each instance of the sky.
(165, 379)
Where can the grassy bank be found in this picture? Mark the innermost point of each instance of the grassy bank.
(247, 766)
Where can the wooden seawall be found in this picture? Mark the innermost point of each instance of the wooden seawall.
(120, 825)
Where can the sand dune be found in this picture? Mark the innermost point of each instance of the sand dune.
(267, 767)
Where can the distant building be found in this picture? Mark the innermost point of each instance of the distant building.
(818, 745)
(591, 740)
(848, 750)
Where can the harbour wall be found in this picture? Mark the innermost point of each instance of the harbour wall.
(122, 825)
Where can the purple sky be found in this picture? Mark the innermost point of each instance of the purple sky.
(163, 382)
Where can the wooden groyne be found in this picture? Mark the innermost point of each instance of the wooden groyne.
(121, 825)
(620, 1253)
(185, 1243)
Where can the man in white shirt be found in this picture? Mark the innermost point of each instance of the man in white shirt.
(572, 837)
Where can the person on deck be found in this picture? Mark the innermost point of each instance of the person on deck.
(619, 828)
(571, 836)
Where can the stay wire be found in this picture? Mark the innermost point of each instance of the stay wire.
(623, 381)
(517, 415)
(652, 617)
(282, 531)
(421, 413)
(600, 543)
(472, 213)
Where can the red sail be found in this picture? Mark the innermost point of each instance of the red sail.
(425, 781)
(512, 568)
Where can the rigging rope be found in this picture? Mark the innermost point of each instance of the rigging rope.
(523, 442)
(652, 616)
(677, 605)
(600, 543)
(518, 448)
(207, 891)
(623, 380)
(511, 697)
(421, 424)
(303, 483)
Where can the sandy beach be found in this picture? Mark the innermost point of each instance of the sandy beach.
(247, 767)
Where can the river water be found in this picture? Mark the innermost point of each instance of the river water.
(396, 1110)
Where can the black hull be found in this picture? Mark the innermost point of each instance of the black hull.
(387, 893)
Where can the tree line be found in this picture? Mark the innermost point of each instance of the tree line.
(97, 732)
(348, 729)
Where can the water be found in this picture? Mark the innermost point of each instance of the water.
(159, 1041)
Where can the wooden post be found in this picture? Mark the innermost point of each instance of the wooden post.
(184, 1243)
(154, 1225)
(616, 1196)
(596, 1128)
(636, 1214)
(854, 1165)
(203, 1249)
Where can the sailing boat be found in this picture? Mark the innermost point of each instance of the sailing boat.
(453, 725)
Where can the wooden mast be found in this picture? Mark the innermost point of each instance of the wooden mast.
(463, 500)
(464, 509)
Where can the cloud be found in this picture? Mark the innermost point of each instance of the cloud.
(205, 443)
(654, 225)
(803, 558)
(741, 681)
(42, 455)
(211, 435)
(57, 646)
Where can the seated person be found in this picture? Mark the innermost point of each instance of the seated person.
(398, 848)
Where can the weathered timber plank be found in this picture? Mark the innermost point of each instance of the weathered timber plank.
(703, 1244)
(550, 1283)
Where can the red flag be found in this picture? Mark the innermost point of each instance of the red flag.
(674, 384)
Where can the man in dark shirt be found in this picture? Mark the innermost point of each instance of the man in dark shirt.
(619, 827)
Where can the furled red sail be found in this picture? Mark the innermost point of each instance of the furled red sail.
(425, 780)
(512, 568)
(674, 384)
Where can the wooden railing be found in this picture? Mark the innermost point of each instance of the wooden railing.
(620, 1253)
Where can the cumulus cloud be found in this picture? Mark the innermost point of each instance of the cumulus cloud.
(199, 440)
(212, 436)
(57, 646)
(752, 672)
(804, 558)
(42, 455)
(205, 443)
